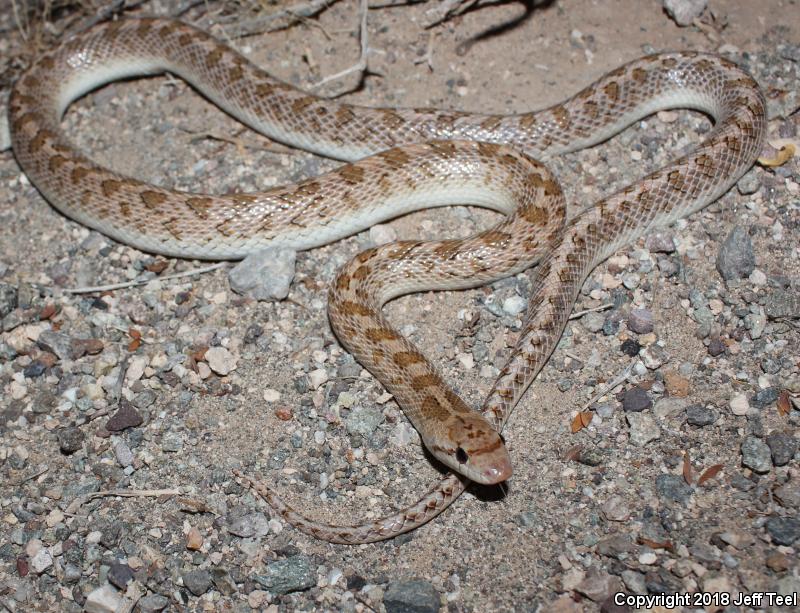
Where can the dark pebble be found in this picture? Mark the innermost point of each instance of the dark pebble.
(415, 596)
(636, 400)
(640, 321)
(783, 446)
(152, 603)
(630, 347)
(119, 575)
(659, 243)
(125, 417)
(736, 259)
(70, 439)
(34, 369)
(716, 347)
(289, 575)
(197, 582)
(223, 581)
(783, 530)
(8, 299)
(253, 332)
(356, 582)
(782, 304)
(698, 415)
(764, 398)
(673, 487)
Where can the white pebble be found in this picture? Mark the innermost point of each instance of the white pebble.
(757, 277)
(648, 558)
(739, 404)
(41, 561)
(271, 395)
(514, 305)
(318, 377)
(220, 360)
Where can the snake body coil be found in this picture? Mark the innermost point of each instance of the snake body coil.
(419, 158)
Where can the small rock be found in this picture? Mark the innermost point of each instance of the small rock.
(123, 454)
(647, 558)
(698, 415)
(659, 243)
(249, 525)
(615, 509)
(677, 386)
(781, 304)
(415, 596)
(783, 530)
(643, 428)
(70, 439)
(125, 417)
(198, 582)
(630, 347)
(194, 540)
(736, 259)
(318, 377)
(666, 407)
(220, 360)
(119, 575)
(788, 494)
(749, 183)
(8, 299)
(783, 446)
(41, 561)
(683, 12)
(756, 455)
(104, 599)
(265, 274)
(289, 575)
(673, 487)
(636, 400)
(153, 603)
(56, 342)
(739, 405)
(593, 322)
(778, 562)
(597, 585)
(716, 347)
(364, 421)
(640, 321)
(765, 397)
(514, 305)
(223, 581)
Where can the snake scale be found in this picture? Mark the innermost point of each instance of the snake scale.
(400, 160)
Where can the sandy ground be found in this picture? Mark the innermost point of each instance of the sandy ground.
(567, 535)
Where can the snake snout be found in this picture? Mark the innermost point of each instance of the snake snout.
(497, 472)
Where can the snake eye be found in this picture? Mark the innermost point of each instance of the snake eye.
(502, 439)
(461, 455)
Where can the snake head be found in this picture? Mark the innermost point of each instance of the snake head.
(474, 449)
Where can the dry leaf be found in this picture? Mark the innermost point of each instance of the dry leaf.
(687, 468)
(710, 473)
(136, 341)
(655, 544)
(581, 420)
(784, 405)
(158, 266)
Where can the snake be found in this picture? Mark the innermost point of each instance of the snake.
(397, 160)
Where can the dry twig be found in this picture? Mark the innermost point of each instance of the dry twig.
(361, 65)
